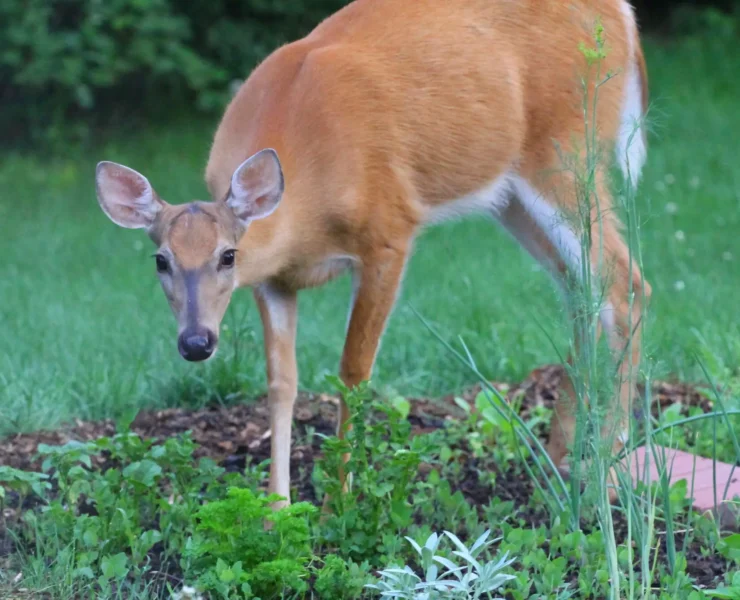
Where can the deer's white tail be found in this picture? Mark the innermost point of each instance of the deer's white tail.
(632, 139)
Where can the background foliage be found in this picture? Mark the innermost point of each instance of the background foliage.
(62, 59)
(66, 57)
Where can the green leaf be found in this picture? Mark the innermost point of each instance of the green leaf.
(85, 572)
(671, 414)
(462, 404)
(725, 594)
(148, 539)
(729, 547)
(144, 472)
(226, 576)
(485, 402)
(678, 492)
(114, 567)
(400, 513)
(90, 537)
(402, 405)
(382, 489)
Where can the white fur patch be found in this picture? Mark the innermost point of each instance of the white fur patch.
(277, 308)
(491, 199)
(553, 223)
(631, 148)
(608, 322)
(353, 297)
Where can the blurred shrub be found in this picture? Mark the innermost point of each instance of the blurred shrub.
(708, 23)
(60, 58)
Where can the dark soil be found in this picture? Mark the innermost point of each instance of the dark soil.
(228, 433)
(232, 435)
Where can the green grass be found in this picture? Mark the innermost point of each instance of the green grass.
(88, 333)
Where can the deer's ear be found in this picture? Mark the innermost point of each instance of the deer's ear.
(256, 186)
(126, 196)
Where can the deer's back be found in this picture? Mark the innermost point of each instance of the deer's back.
(444, 94)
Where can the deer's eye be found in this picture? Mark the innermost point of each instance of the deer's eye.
(162, 265)
(227, 259)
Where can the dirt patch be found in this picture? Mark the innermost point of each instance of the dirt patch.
(232, 435)
(224, 432)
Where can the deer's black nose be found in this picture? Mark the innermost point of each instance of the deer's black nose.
(196, 344)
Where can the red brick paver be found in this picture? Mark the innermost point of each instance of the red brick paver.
(707, 476)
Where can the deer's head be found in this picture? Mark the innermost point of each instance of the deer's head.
(197, 254)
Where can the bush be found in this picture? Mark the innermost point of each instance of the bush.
(61, 57)
(64, 58)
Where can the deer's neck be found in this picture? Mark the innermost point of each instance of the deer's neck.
(264, 250)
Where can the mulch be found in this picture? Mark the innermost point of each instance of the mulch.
(231, 435)
(225, 432)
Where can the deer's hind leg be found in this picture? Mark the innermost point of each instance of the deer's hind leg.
(538, 222)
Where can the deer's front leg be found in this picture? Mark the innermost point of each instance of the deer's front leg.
(379, 280)
(279, 310)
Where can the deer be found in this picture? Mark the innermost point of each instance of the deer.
(339, 148)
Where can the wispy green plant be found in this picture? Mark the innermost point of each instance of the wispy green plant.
(649, 509)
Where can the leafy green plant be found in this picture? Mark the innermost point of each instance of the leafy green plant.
(340, 579)
(729, 592)
(233, 553)
(65, 58)
(729, 547)
(383, 462)
(22, 483)
(61, 57)
(110, 519)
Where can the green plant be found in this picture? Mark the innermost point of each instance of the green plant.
(472, 580)
(232, 553)
(22, 483)
(339, 579)
(108, 521)
(58, 57)
(383, 462)
(729, 592)
(62, 59)
(729, 547)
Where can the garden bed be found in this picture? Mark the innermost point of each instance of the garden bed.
(229, 433)
(234, 436)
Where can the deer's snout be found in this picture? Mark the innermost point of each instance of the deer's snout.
(196, 344)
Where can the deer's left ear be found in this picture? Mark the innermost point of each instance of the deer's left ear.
(126, 196)
(256, 186)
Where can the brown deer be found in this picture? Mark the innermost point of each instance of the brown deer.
(390, 116)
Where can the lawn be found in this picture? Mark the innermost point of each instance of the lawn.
(90, 335)
(139, 511)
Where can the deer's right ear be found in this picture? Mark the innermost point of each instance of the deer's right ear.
(257, 186)
(126, 196)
